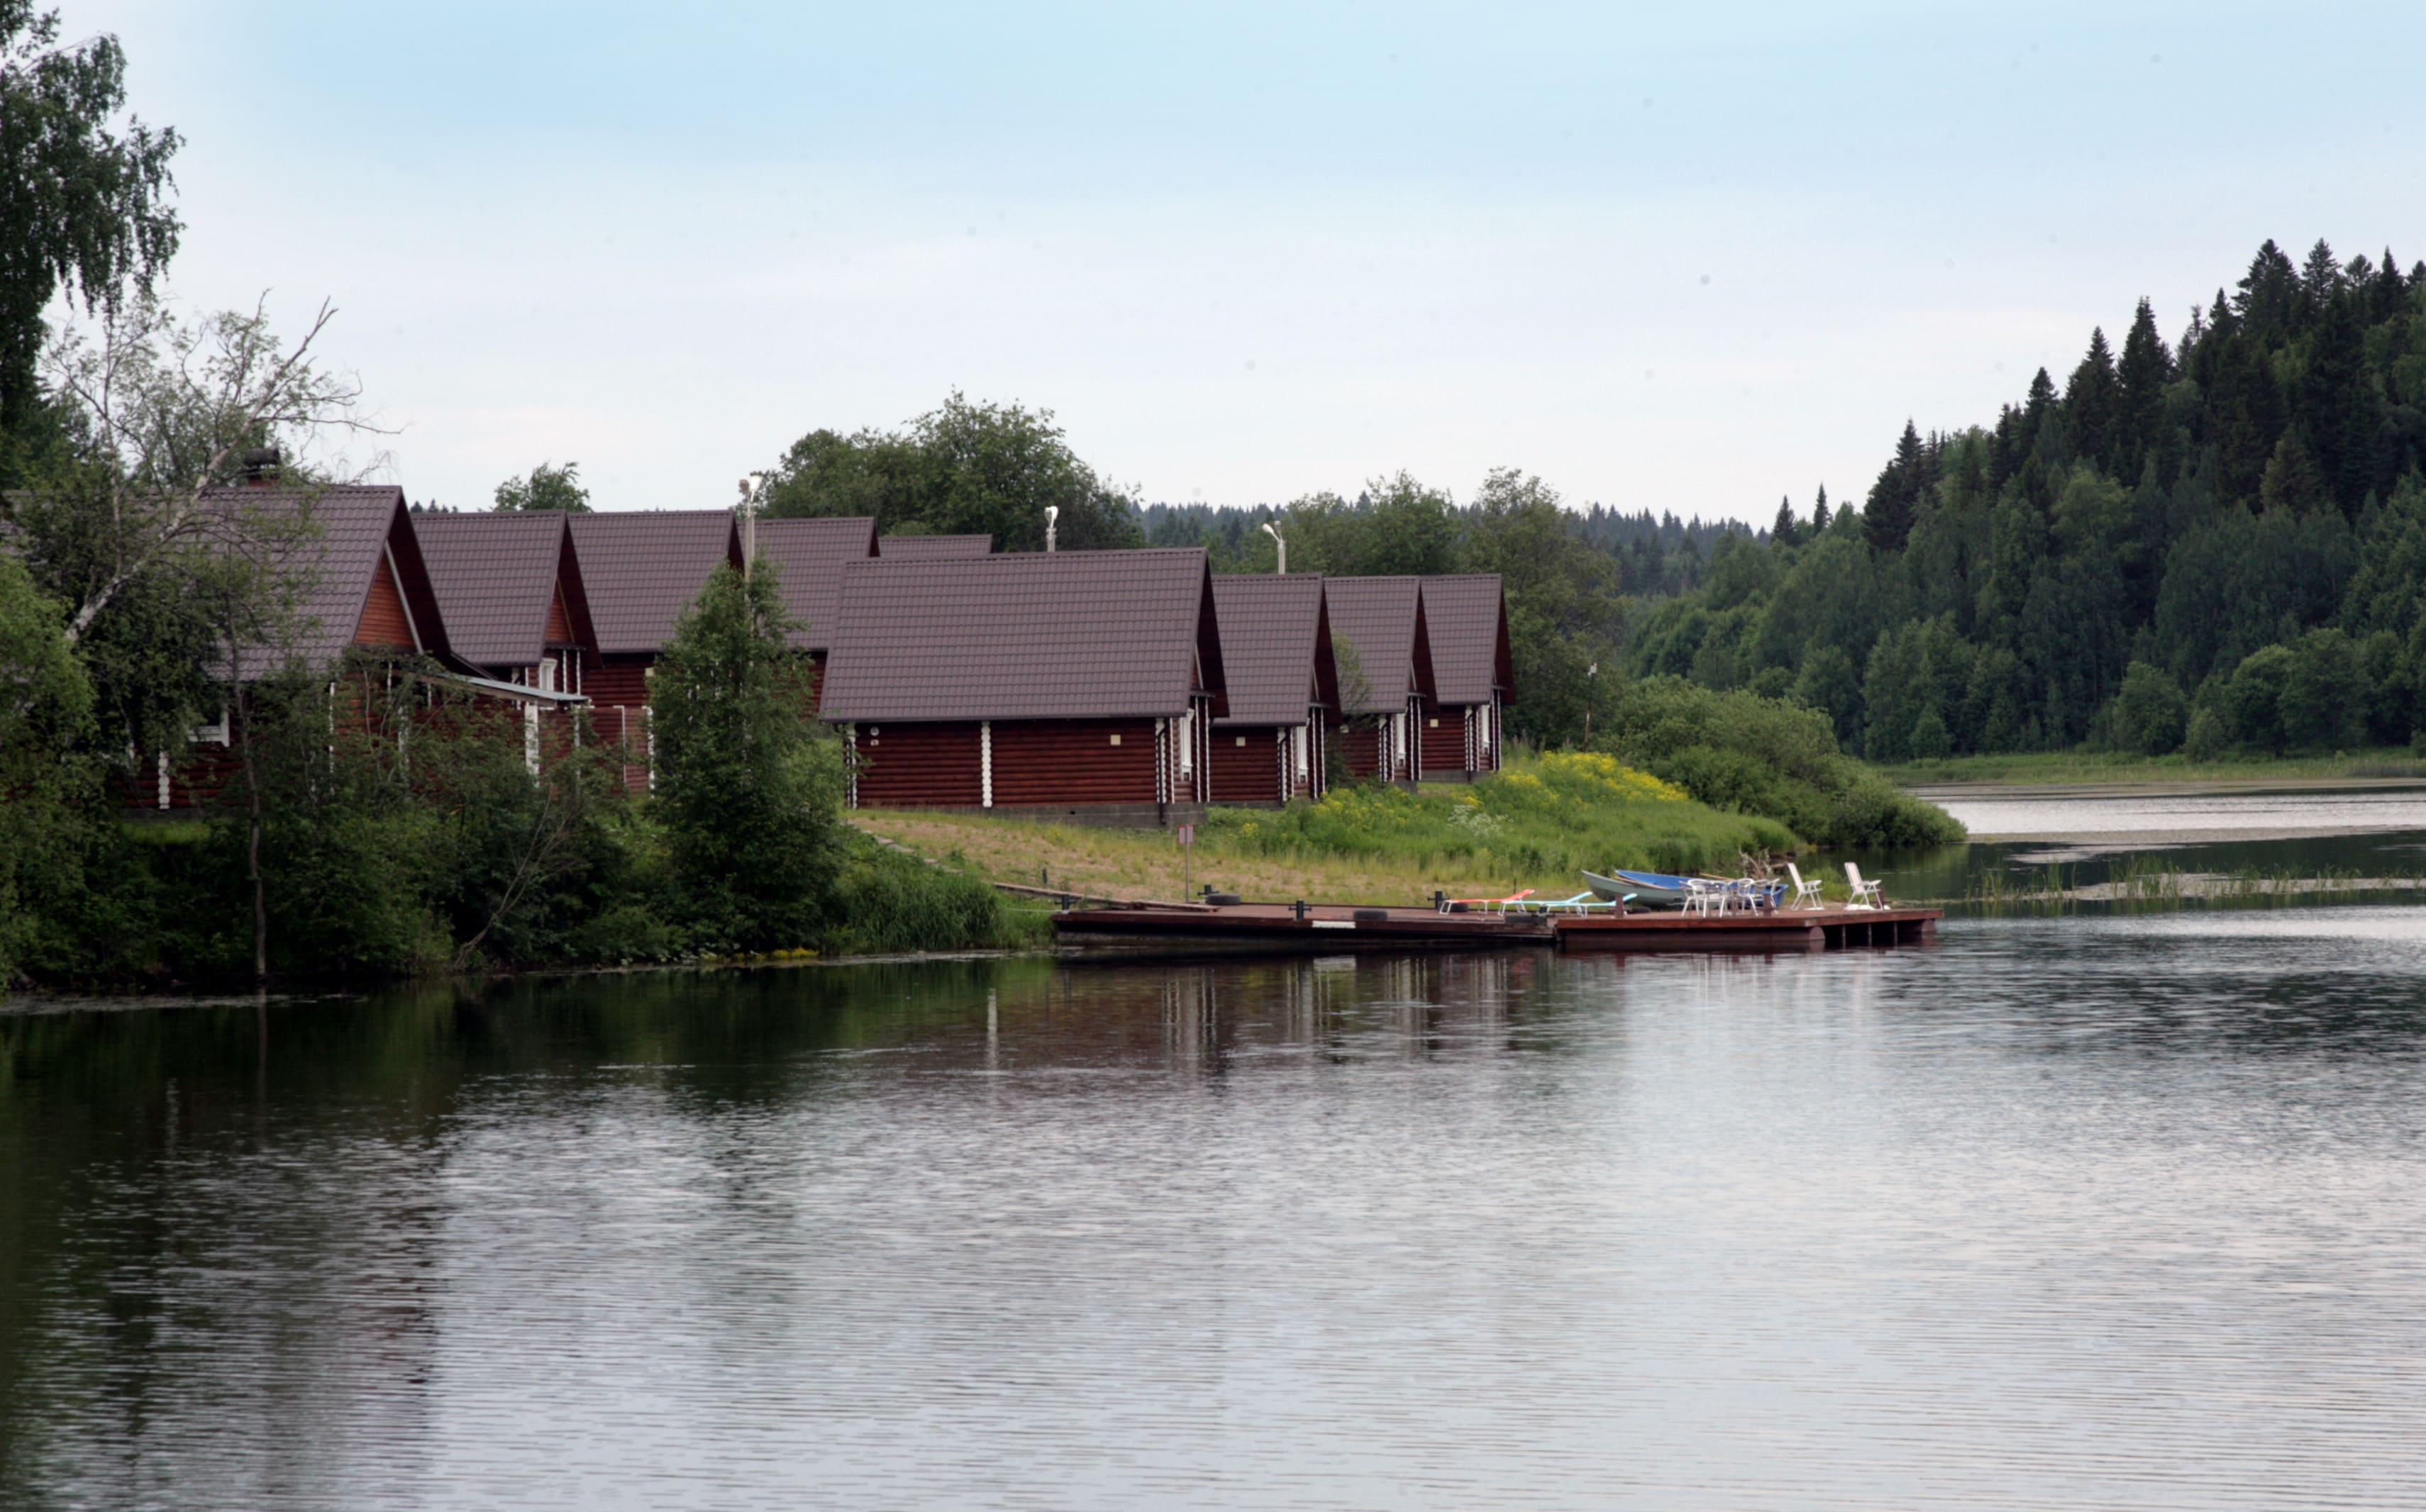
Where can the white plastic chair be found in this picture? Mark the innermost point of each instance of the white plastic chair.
(1807, 894)
(1862, 889)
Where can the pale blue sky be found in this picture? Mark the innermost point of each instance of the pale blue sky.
(1681, 260)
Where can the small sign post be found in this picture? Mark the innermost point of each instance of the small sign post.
(1187, 849)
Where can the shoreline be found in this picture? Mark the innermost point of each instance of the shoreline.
(1997, 788)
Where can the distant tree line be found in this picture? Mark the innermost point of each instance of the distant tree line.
(2214, 545)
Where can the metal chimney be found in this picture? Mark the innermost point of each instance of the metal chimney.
(1052, 513)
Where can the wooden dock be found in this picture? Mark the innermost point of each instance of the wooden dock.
(1331, 926)
(1775, 931)
(1324, 927)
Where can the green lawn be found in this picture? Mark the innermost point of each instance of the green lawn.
(1537, 825)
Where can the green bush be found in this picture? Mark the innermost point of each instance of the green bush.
(2150, 714)
(896, 903)
(1770, 757)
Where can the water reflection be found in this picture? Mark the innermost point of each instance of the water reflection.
(2077, 1211)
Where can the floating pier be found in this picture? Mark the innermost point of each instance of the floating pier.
(1769, 930)
(1332, 926)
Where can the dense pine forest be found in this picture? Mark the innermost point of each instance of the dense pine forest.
(2215, 545)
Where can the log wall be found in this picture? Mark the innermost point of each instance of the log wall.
(1073, 761)
(1249, 765)
(917, 767)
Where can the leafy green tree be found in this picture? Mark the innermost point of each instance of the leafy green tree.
(2324, 695)
(82, 201)
(747, 789)
(2151, 712)
(45, 706)
(966, 468)
(2252, 705)
(1828, 682)
(546, 488)
(1929, 739)
(1565, 615)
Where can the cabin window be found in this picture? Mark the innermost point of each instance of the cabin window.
(547, 675)
(1116, 740)
(1242, 740)
(1432, 724)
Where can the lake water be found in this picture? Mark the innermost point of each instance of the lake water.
(2098, 1210)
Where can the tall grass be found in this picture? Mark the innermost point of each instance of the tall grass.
(896, 903)
(1542, 822)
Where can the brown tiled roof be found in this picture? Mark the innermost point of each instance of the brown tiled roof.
(910, 548)
(1466, 617)
(1275, 650)
(1383, 618)
(495, 574)
(642, 567)
(810, 555)
(354, 526)
(1027, 635)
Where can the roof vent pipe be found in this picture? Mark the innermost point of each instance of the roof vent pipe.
(748, 511)
(1279, 545)
(1052, 513)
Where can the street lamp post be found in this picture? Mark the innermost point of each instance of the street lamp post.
(1591, 674)
(1278, 545)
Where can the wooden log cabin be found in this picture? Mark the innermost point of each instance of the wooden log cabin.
(1075, 684)
(911, 548)
(1283, 686)
(358, 564)
(642, 570)
(1465, 615)
(809, 557)
(509, 586)
(1384, 649)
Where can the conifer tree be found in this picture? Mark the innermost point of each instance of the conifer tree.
(1784, 532)
(1820, 513)
(1894, 499)
(2291, 484)
(2092, 404)
(2268, 301)
(2145, 369)
(2320, 280)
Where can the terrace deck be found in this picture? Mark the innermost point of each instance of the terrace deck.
(1330, 926)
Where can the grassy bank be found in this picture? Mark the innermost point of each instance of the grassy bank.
(2115, 766)
(1537, 825)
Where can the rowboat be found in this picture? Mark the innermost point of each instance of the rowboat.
(1657, 890)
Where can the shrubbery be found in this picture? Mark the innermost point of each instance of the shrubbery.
(1772, 757)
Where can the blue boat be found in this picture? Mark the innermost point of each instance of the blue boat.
(1657, 890)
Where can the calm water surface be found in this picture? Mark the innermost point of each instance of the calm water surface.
(2089, 1211)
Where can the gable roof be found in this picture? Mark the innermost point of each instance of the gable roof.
(1275, 646)
(355, 530)
(642, 567)
(1465, 614)
(1029, 636)
(495, 576)
(809, 555)
(1383, 619)
(907, 548)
